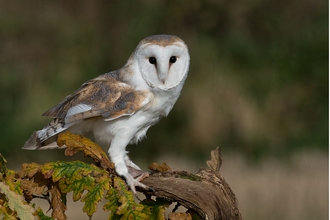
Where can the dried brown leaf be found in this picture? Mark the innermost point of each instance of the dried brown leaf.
(76, 143)
(179, 216)
(29, 169)
(159, 168)
(57, 204)
(32, 181)
(216, 161)
(3, 167)
(32, 188)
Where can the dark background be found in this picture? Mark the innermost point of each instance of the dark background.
(257, 85)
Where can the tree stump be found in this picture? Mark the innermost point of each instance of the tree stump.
(205, 193)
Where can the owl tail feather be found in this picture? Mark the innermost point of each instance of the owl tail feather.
(35, 144)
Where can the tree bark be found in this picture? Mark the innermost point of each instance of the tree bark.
(206, 193)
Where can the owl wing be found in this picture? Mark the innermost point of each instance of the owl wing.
(104, 96)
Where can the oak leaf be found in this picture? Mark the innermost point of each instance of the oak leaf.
(3, 166)
(112, 197)
(95, 194)
(11, 179)
(17, 203)
(29, 169)
(77, 177)
(57, 204)
(155, 209)
(41, 215)
(129, 209)
(179, 216)
(75, 143)
(159, 168)
(32, 188)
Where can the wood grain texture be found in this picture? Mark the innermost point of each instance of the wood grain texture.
(206, 193)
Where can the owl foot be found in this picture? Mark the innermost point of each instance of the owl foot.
(132, 183)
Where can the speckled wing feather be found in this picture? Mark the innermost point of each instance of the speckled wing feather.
(104, 96)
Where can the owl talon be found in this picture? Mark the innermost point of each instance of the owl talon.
(118, 107)
(132, 183)
(142, 176)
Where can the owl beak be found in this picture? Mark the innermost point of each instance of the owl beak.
(162, 73)
(162, 77)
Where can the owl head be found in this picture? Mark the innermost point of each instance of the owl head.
(163, 61)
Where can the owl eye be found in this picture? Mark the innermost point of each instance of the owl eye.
(173, 59)
(152, 60)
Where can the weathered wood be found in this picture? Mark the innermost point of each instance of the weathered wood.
(206, 193)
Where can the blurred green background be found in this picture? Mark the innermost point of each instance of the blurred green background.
(257, 85)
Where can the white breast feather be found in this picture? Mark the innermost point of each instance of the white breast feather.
(128, 101)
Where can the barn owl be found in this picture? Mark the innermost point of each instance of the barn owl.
(118, 107)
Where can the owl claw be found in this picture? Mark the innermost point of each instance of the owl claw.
(132, 183)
